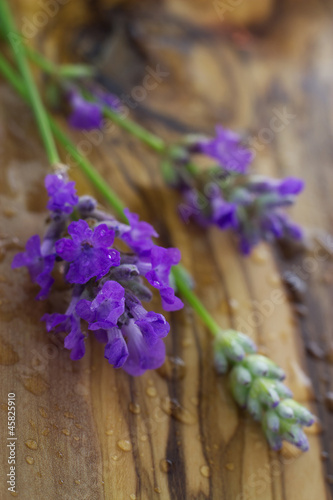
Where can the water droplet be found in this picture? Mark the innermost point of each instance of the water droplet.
(34, 384)
(166, 465)
(77, 481)
(124, 445)
(109, 432)
(29, 460)
(7, 354)
(61, 482)
(290, 451)
(134, 408)
(60, 455)
(151, 391)
(230, 466)
(274, 279)
(43, 412)
(32, 423)
(66, 432)
(67, 414)
(173, 408)
(133, 496)
(314, 349)
(329, 478)
(115, 457)
(173, 368)
(46, 431)
(205, 470)
(187, 342)
(315, 428)
(234, 304)
(329, 401)
(259, 255)
(30, 443)
(157, 489)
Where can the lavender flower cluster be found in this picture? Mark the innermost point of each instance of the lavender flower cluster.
(256, 385)
(226, 195)
(107, 283)
(229, 197)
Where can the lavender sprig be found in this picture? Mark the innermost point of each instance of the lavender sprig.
(229, 196)
(88, 205)
(256, 385)
(107, 283)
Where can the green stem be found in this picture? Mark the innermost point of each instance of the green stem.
(90, 172)
(179, 273)
(193, 300)
(8, 24)
(136, 130)
(59, 70)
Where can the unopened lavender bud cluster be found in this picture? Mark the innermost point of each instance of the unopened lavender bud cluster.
(107, 265)
(228, 196)
(256, 385)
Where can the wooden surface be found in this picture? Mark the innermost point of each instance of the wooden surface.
(88, 432)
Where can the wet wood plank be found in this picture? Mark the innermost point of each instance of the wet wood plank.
(84, 416)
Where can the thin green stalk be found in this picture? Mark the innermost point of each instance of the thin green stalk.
(179, 273)
(90, 172)
(193, 300)
(9, 28)
(59, 70)
(136, 130)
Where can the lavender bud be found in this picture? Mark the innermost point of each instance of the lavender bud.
(254, 407)
(261, 366)
(272, 421)
(284, 410)
(302, 414)
(221, 363)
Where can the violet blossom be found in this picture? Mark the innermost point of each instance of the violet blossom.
(88, 114)
(228, 196)
(108, 284)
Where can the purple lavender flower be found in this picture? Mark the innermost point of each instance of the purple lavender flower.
(106, 308)
(88, 251)
(85, 115)
(141, 356)
(162, 259)
(140, 233)
(62, 194)
(38, 265)
(88, 115)
(223, 213)
(153, 326)
(116, 350)
(110, 304)
(70, 324)
(226, 148)
(252, 206)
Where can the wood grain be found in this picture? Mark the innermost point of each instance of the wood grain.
(176, 433)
